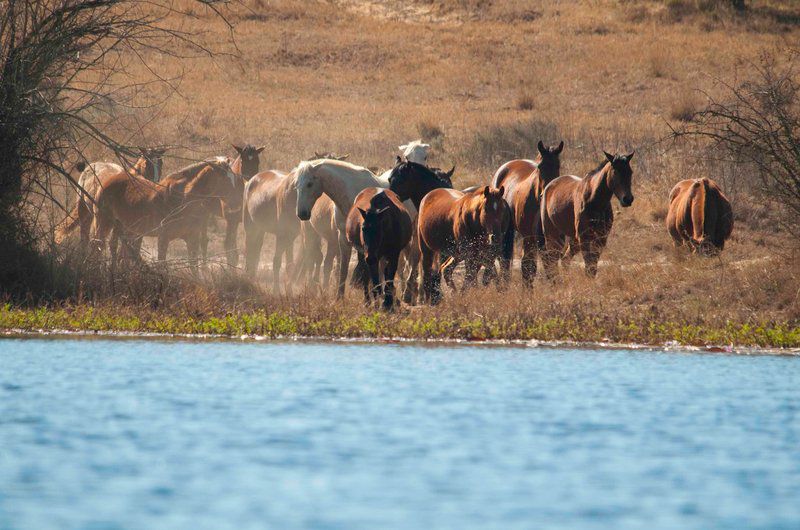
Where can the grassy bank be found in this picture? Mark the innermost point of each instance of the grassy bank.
(411, 326)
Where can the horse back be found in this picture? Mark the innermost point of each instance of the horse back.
(557, 206)
(436, 218)
(266, 197)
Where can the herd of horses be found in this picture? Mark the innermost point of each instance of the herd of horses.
(409, 215)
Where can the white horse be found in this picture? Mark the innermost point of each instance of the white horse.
(342, 182)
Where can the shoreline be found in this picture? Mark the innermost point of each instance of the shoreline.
(435, 342)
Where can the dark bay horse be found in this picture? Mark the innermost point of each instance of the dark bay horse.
(411, 181)
(135, 207)
(700, 216)
(379, 227)
(524, 181)
(462, 226)
(577, 212)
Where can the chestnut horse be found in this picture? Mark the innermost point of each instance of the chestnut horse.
(379, 228)
(135, 207)
(700, 216)
(90, 180)
(463, 226)
(577, 211)
(524, 182)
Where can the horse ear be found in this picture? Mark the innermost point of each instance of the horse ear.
(541, 148)
(237, 148)
(450, 173)
(559, 148)
(487, 191)
(609, 157)
(363, 212)
(402, 147)
(399, 160)
(344, 157)
(630, 156)
(259, 149)
(501, 190)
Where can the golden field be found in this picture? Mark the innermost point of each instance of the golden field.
(483, 81)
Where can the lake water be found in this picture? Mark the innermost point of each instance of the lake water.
(145, 434)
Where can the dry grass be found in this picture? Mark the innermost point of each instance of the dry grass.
(483, 82)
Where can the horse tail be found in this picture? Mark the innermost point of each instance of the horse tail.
(538, 229)
(698, 194)
(67, 226)
(499, 176)
(360, 275)
(72, 220)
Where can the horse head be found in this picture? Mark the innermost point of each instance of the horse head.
(620, 177)
(372, 228)
(416, 151)
(248, 159)
(151, 162)
(410, 180)
(494, 216)
(308, 189)
(549, 161)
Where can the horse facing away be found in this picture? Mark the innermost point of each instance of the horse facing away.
(135, 207)
(342, 182)
(700, 216)
(577, 211)
(148, 165)
(379, 227)
(524, 181)
(463, 226)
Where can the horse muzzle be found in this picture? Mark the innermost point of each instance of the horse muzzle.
(304, 215)
(626, 201)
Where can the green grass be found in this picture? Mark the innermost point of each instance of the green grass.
(378, 325)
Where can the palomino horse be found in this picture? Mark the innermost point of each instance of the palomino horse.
(577, 211)
(270, 199)
(90, 180)
(135, 208)
(463, 226)
(342, 182)
(700, 216)
(524, 182)
(379, 227)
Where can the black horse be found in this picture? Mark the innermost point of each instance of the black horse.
(413, 181)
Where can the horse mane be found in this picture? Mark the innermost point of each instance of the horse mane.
(597, 169)
(193, 168)
(427, 171)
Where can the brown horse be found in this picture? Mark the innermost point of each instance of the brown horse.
(379, 228)
(90, 180)
(524, 182)
(463, 226)
(135, 207)
(700, 216)
(577, 211)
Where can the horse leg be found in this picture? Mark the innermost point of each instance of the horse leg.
(85, 223)
(372, 276)
(472, 267)
(194, 245)
(327, 265)
(554, 248)
(528, 265)
(591, 256)
(291, 266)
(280, 248)
(389, 272)
(203, 241)
(344, 264)
(431, 279)
(231, 249)
(253, 241)
(447, 269)
(163, 244)
(411, 289)
(506, 256)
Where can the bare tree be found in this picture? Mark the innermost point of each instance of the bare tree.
(64, 69)
(757, 123)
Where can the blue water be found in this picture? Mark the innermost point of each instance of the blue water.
(107, 434)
